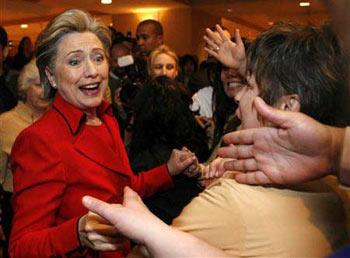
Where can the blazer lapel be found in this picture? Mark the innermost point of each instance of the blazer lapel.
(97, 151)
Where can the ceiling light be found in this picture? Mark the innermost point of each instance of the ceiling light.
(106, 1)
(24, 26)
(304, 4)
(229, 10)
(270, 23)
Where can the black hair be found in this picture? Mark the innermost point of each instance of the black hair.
(303, 60)
(3, 37)
(161, 114)
(188, 58)
(158, 28)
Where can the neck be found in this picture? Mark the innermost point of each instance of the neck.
(92, 118)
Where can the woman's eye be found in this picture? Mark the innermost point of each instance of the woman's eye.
(99, 58)
(73, 62)
(170, 67)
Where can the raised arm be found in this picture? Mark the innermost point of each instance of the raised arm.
(135, 221)
(295, 149)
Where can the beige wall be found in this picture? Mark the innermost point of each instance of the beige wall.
(201, 21)
(184, 28)
(244, 31)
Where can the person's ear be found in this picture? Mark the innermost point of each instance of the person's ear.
(289, 103)
(50, 77)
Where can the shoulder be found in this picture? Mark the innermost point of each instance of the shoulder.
(7, 117)
(220, 200)
(47, 130)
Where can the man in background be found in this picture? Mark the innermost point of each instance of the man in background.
(149, 36)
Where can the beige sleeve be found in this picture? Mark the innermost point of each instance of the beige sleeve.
(3, 166)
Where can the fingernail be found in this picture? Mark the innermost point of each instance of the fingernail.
(86, 200)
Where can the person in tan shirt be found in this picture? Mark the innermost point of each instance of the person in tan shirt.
(245, 221)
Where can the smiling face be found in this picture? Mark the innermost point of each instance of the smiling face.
(231, 81)
(80, 72)
(164, 64)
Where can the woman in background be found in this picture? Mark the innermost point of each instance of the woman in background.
(31, 107)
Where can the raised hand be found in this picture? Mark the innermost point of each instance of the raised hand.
(227, 52)
(295, 149)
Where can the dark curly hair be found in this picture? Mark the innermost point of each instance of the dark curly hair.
(162, 115)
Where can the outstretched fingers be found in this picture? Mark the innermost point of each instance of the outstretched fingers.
(253, 178)
(243, 165)
(236, 151)
(238, 38)
(240, 137)
(221, 33)
(214, 37)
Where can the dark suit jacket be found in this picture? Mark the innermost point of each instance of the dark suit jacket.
(56, 161)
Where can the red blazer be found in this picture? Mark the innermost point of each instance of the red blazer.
(56, 161)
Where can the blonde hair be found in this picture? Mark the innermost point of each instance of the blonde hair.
(70, 21)
(27, 77)
(162, 49)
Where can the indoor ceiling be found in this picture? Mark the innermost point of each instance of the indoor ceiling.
(255, 15)
(264, 11)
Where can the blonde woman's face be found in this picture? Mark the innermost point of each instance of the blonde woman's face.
(164, 65)
(81, 70)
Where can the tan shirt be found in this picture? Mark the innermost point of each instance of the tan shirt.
(255, 221)
(11, 124)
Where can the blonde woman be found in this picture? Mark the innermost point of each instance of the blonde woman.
(163, 62)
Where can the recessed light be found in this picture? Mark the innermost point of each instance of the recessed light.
(304, 4)
(24, 26)
(270, 23)
(229, 10)
(106, 1)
